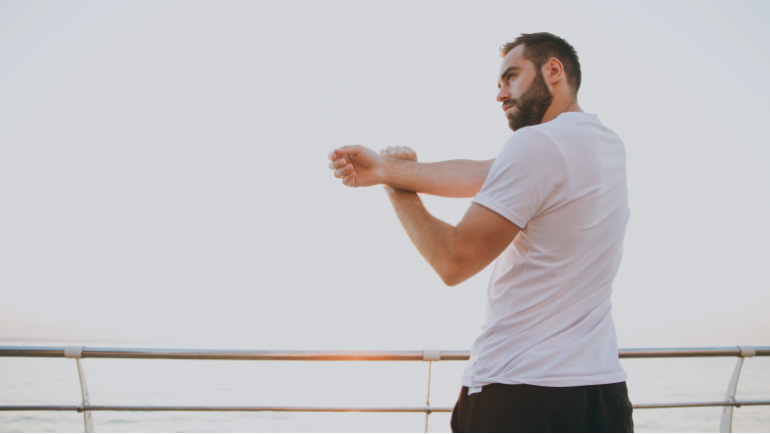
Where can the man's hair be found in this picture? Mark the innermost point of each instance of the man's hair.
(541, 47)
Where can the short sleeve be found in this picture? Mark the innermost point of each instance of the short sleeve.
(530, 175)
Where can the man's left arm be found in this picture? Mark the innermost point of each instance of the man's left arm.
(459, 252)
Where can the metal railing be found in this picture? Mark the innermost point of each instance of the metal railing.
(429, 356)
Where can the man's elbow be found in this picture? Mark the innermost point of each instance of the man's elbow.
(453, 275)
(452, 280)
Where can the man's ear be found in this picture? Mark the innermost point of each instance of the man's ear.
(553, 70)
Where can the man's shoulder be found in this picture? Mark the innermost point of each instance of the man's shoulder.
(528, 136)
(569, 121)
(575, 127)
(530, 145)
(572, 122)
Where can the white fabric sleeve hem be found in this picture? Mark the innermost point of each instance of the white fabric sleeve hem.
(488, 202)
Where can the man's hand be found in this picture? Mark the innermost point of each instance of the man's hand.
(357, 166)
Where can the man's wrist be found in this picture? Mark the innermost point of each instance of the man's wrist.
(395, 171)
(386, 170)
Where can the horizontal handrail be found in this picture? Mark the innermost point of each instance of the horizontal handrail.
(220, 408)
(702, 404)
(426, 409)
(640, 353)
(159, 353)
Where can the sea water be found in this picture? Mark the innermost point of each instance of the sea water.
(54, 381)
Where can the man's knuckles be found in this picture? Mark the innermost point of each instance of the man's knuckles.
(338, 163)
(343, 171)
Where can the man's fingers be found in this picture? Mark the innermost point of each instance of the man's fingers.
(350, 180)
(336, 164)
(399, 152)
(344, 171)
(349, 149)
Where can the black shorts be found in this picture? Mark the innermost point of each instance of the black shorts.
(525, 408)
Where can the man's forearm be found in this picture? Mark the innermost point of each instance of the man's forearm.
(431, 236)
(454, 178)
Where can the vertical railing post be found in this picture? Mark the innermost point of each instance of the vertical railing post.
(427, 400)
(77, 354)
(726, 424)
(430, 356)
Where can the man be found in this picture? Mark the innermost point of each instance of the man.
(552, 209)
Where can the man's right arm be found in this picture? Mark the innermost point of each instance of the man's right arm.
(453, 178)
(359, 166)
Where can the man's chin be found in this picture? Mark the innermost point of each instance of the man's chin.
(513, 122)
(519, 122)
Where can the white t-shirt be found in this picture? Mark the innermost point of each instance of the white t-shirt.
(548, 316)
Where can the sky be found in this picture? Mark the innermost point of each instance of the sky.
(164, 181)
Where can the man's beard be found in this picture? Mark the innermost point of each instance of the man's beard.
(531, 106)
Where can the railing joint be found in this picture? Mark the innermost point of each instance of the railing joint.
(74, 352)
(431, 355)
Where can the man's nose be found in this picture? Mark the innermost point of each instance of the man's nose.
(503, 94)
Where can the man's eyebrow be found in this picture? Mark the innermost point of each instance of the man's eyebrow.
(509, 69)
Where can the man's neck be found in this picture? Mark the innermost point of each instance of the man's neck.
(559, 107)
